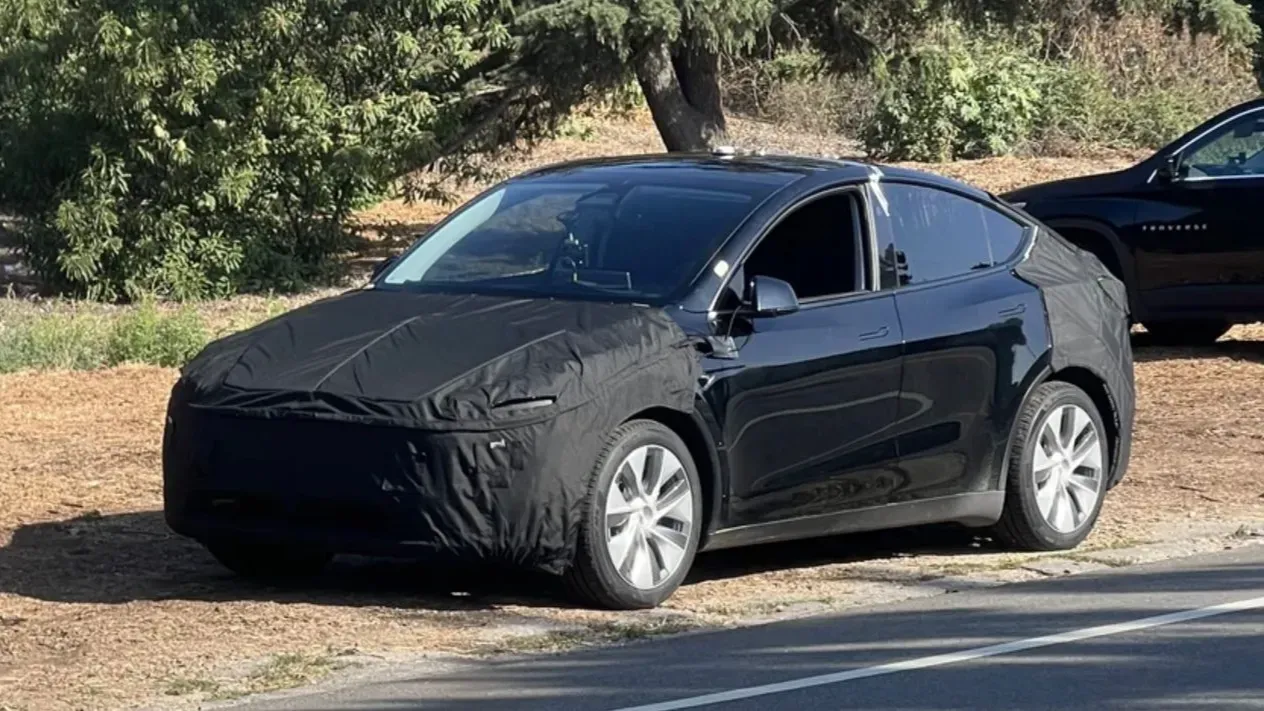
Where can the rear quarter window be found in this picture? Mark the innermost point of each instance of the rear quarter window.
(927, 234)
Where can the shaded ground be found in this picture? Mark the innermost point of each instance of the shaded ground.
(100, 606)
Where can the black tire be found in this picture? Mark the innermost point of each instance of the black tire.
(1186, 333)
(593, 577)
(1021, 525)
(268, 562)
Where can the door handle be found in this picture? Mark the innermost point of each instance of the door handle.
(877, 333)
(1013, 310)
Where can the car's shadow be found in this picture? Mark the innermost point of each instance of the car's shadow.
(878, 545)
(1145, 350)
(121, 558)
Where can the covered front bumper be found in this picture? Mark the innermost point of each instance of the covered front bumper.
(357, 488)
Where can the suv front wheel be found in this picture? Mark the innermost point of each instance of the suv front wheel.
(642, 521)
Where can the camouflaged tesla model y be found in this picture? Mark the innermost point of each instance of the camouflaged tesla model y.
(600, 368)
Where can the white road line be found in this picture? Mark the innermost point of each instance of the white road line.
(966, 655)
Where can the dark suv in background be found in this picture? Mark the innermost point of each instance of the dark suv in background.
(1183, 229)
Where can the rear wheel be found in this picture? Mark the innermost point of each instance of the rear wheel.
(642, 521)
(268, 562)
(1186, 333)
(1058, 464)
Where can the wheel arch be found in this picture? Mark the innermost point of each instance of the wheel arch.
(694, 433)
(1104, 242)
(1094, 386)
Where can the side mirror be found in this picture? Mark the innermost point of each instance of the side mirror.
(1170, 171)
(772, 297)
(381, 267)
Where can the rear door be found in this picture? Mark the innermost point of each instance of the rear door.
(967, 322)
(1203, 251)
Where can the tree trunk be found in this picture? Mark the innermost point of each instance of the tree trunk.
(672, 87)
(698, 70)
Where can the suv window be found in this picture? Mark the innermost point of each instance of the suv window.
(817, 249)
(926, 234)
(1236, 149)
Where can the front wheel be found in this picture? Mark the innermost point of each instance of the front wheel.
(642, 521)
(1057, 471)
(1186, 333)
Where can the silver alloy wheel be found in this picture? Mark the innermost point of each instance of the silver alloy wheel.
(1068, 468)
(649, 516)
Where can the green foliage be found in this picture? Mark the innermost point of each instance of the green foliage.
(793, 66)
(82, 338)
(146, 336)
(582, 46)
(957, 97)
(1133, 83)
(1125, 83)
(1229, 20)
(56, 341)
(203, 147)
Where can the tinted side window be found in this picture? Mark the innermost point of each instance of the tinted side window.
(1004, 234)
(1235, 150)
(817, 249)
(928, 234)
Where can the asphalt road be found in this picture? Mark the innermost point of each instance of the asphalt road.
(1186, 634)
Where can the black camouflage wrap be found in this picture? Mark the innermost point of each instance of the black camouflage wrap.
(1087, 309)
(405, 423)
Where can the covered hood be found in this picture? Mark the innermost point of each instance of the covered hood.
(430, 359)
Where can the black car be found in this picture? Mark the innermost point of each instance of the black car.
(600, 368)
(1181, 229)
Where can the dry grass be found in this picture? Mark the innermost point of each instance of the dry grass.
(101, 607)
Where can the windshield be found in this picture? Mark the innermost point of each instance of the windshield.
(634, 240)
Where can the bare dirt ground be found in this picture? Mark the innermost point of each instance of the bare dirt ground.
(102, 608)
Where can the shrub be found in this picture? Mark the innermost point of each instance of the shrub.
(146, 336)
(1139, 85)
(203, 147)
(796, 89)
(71, 340)
(83, 337)
(1123, 83)
(956, 97)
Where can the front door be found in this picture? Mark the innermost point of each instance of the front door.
(806, 407)
(1200, 251)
